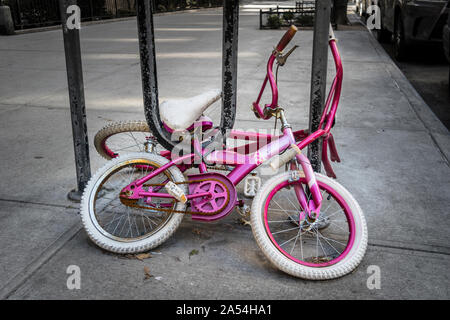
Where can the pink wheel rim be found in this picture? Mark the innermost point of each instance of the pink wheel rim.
(108, 151)
(339, 200)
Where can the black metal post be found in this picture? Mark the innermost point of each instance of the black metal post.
(146, 35)
(229, 63)
(91, 9)
(76, 99)
(318, 76)
(18, 14)
(260, 19)
(144, 11)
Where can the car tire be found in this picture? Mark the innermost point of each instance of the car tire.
(400, 48)
(382, 35)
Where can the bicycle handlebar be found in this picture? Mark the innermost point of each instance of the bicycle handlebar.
(333, 96)
(286, 38)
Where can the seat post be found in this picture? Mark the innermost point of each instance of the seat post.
(284, 123)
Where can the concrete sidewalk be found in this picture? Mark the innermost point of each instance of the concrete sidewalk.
(394, 155)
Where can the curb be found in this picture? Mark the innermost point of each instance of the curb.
(438, 133)
(58, 26)
(19, 279)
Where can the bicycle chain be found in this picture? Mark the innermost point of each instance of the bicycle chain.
(180, 211)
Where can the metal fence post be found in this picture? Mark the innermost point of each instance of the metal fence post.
(76, 98)
(91, 9)
(318, 76)
(19, 18)
(260, 19)
(229, 63)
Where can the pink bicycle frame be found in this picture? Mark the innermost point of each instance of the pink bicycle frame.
(244, 163)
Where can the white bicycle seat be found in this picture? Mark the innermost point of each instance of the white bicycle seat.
(181, 113)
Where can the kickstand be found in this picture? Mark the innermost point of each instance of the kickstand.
(244, 212)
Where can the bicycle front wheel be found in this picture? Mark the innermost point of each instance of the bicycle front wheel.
(327, 248)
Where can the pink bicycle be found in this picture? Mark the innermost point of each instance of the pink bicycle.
(307, 224)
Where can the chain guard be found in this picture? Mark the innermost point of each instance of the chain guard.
(218, 200)
(194, 182)
(225, 207)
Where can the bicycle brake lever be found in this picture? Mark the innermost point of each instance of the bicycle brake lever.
(281, 59)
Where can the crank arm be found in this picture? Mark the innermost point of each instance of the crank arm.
(145, 194)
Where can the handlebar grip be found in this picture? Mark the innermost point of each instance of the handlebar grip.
(284, 158)
(286, 38)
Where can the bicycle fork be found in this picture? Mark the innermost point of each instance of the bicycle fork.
(311, 198)
(312, 202)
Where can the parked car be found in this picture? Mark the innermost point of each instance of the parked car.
(410, 21)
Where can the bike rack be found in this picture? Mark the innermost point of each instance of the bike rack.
(144, 10)
(318, 77)
(76, 99)
(149, 70)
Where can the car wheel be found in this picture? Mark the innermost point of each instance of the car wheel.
(400, 48)
(382, 35)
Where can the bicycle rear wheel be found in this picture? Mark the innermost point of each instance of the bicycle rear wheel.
(118, 138)
(125, 226)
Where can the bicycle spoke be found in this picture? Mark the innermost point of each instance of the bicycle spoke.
(285, 230)
(279, 221)
(329, 243)
(301, 245)
(122, 220)
(281, 208)
(132, 136)
(110, 222)
(320, 242)
(299, 209)
(305, 242)
(273, 209)
(296, 238)
(334, 213)
(318, 234)
(126, 148)
(287, 241)
(334, 224)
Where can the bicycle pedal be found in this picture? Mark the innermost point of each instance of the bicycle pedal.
(176, 192)
(252, 185)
